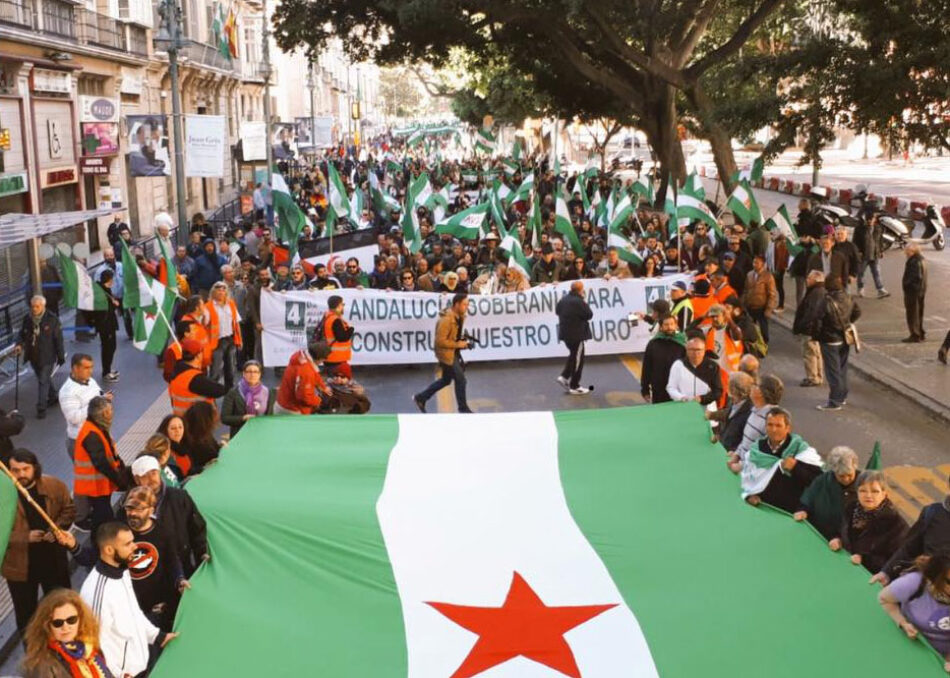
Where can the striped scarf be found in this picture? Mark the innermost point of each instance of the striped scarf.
(81, 662)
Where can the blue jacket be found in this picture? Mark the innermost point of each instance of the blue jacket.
(207, 271)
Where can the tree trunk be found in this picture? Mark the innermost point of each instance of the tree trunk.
(660, 127)
(719, 139)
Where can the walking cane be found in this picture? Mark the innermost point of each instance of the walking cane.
(16, 381)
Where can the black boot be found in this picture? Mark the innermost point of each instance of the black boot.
(942, 353)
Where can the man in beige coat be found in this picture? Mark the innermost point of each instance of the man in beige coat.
(448, 343)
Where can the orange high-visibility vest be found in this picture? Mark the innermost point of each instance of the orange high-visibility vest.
(87, 480)
(214, 323)
(181, 396)
(340, 351)
(202, 338)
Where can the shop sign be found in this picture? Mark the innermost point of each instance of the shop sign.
(131, 82)
(94, 165)
(11, 184)
(58, 177)
(98, 109)
(58, 82)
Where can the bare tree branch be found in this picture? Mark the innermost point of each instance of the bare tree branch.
(436, 90)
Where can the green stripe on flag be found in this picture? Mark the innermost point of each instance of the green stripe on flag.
(298, 559)
(8, 505)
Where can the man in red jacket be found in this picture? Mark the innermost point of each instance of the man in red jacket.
(302, 389)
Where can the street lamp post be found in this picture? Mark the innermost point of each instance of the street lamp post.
(312, 84)
(170, 39)
(266, 73)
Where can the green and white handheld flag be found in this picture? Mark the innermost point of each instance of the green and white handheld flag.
(694, 186)
(691, 207)
(485, 141)
(338, 205)
(752, 173)
(615, 234)
(669, 207)
(417, 194)
(79, 289)
(497, 203)
(527, 547)
(534, 221)
(152, 326)
(511, 167)
(743, 204)
(516, 258)
(136, 286)
(290, 218)
(643, 187)
(563, 225)
(781, 222)
(467, 224)
(523, 193)
(438, 203)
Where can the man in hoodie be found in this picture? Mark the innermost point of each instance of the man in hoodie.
(207, 269)
(838, 311)
(695, 377)
(125, 633)
(663, 350)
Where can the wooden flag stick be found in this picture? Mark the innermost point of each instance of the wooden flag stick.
(26, 493)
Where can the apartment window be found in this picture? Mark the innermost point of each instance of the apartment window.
(94, 87)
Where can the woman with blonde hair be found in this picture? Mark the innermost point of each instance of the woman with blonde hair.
(62, 640)
(159, 446)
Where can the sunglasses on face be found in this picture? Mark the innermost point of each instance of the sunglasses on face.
(407, 277)
(58, 623)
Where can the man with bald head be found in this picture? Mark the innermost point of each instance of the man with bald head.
(574, 316)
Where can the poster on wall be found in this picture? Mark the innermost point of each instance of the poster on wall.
(100, 138)
(204, 145)
(323, 131)
(304, 139)
(283, 141)
(148, 146)
(254, 140)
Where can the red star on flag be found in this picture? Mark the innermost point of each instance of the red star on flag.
(523, 626)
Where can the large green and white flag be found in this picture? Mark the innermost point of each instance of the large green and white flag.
(535, 545)
(338, 205)
(438, 203)
(694, 186)
(781, 222)
(615, 235)
(383, 203)
(79, 289)
(136, 285)
(485, 141)
(467, 224)
(516, 258)
(290, 219)
(418, 193)
(691, 207)
(152, 326)
(523, 193)
(743, 204)
(563, 225)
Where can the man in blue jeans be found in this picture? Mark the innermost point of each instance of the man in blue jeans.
(838, 311)
(448, 343)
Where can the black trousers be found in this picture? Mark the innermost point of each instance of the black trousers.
(25, 594)
(575, 363)
(107, 339)
(914, 306)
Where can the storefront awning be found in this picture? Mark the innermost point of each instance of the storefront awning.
(17, 228)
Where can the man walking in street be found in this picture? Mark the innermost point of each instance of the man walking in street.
(574, 316)
(448, 343)
(338, 334)
(867, 238)
(837, 312)
(760, 296)
(914, 284)
(41, 342)
(805, 325)
(75, 394)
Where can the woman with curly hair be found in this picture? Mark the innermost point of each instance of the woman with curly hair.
(62, 640)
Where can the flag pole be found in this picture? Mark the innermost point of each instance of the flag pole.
(26, 495)
(169, 326)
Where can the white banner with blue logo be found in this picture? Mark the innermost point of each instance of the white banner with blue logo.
(399, 327)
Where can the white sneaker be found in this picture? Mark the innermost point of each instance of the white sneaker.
(860, 291)
(882, 293)
(563, 382)
(580, 390)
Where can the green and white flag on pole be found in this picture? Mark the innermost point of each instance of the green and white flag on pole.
(752, 173)
(529, 547)
(781, 222)
(743, 204)
(485, 141)
(467, 224)
(563, 225)
(338, 205)
(136, 286)
(79, 289)
(523, 193)
(511, 167)
(694, 186)
(152, 326)
(356, 206)
(383, 203)
(497, 203)
(643, 187)
(669, 207)
(615, 234)
(290, 219)
(690, 207)
(534, 221)
(418, 193)
(438, 203)
(516, 258)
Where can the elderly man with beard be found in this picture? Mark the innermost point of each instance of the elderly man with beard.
(157, 576)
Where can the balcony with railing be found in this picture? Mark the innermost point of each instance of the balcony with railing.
(101, 30)
(206, 55)
(138, 40)
(59, 19)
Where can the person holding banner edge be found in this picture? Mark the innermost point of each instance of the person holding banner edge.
(449, 340)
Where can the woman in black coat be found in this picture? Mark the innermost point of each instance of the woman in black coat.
(872, 529)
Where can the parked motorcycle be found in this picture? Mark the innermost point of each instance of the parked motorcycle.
(899, 230)
(834, 215)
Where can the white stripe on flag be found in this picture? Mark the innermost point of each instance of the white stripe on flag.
(460, 517)
(85, 294)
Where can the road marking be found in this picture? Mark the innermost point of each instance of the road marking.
(633, 365)
(916, 486)
(937, 318)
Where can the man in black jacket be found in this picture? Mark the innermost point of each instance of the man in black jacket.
(914, 284)
(668, 346)
(41, 342)
(11, 424)
(807, 316)
(837, 312)
(850, 252)
(574, 316)
(828, 260)
(867, 238)
(929, 535)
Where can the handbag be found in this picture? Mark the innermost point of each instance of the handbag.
(851, 337)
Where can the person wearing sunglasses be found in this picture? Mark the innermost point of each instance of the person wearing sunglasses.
(62, 639)
(407, 281)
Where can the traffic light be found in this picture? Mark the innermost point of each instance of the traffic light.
(355, 111)
(5, 139)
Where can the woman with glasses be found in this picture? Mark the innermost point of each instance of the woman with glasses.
(577, 270)
(248, 399)
(62, 639)
(407, 281)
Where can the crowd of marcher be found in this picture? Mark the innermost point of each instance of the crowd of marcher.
(709, 342)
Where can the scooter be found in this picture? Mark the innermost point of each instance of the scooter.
(899, 231)
(831, 214)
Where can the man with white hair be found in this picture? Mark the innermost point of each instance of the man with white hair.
(41, 342)
(823, 502)
(914, 284)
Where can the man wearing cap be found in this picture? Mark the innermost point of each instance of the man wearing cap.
(682, 308)
(189, 383)
(828, 260)
(224, 333)
(733, 271)
(546, 270)
(302, 389)
(487, 253)
(719, 282)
